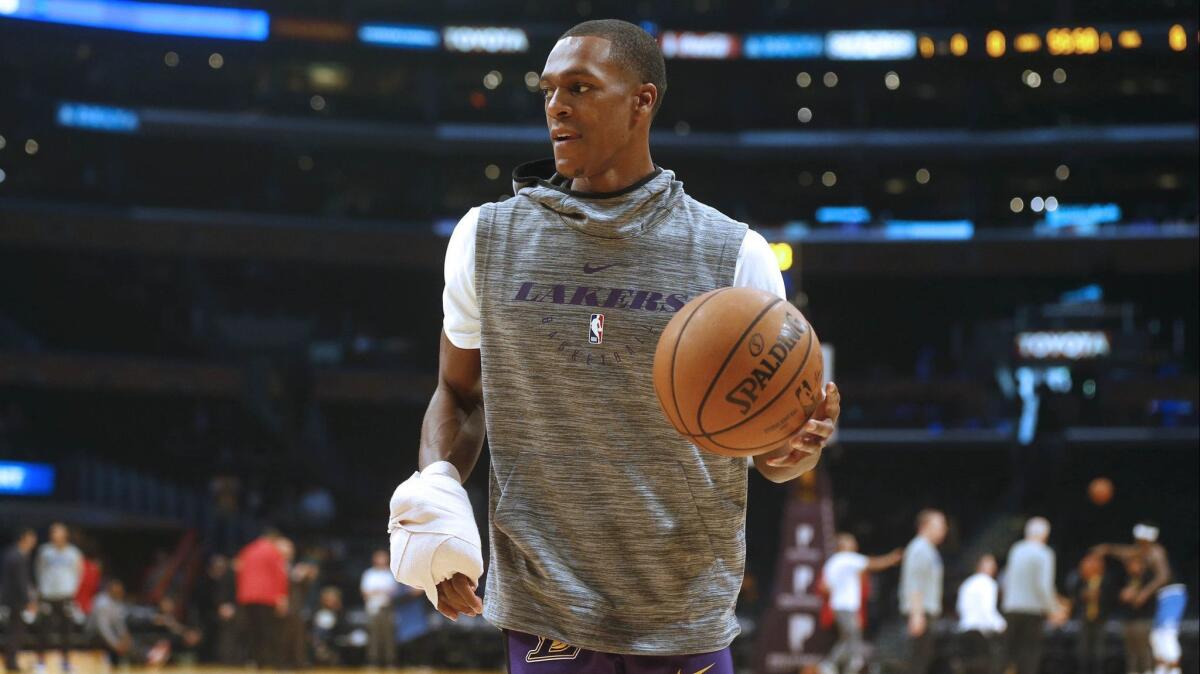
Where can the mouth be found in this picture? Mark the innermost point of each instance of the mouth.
(560, 138)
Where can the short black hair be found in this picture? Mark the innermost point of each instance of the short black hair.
(635, 49)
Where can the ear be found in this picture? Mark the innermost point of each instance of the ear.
(646, 95)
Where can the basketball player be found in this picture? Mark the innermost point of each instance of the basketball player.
(1172, 598)
(615, 545)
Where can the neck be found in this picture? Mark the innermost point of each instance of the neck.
(627, 171)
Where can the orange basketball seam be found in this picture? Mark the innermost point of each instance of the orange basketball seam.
(724, 364)
(675, 351)
(782, 390)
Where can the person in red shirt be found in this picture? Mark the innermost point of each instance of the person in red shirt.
(262, 594)
(89, 584)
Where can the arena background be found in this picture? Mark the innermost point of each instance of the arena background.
(221, 236)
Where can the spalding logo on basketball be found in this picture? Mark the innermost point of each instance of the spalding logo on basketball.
(738, 371)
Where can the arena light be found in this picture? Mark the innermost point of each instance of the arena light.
(958, 44)
(312, 29)
(485, 39)
(855, 215)
(870, 45)
(926, 46)
(1083, 215)
(146, 17)
(400, 36)
(689, 45)
(1060, 345)
(995, 44)
(18, 478)
(783, 253)
(1027, 42)
(1069, 41)
(783, 46)
(1129, 39)
(929, 230)
(1177, 38)
(98, 118)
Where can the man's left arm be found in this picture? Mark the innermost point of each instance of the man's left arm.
(757, 267)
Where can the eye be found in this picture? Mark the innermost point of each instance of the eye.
(546, 92)
(581, 88)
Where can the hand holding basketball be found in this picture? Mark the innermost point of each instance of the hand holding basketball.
(813, 435)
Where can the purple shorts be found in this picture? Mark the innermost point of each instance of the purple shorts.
(528, 654)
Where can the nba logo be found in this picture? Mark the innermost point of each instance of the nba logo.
(596, 329)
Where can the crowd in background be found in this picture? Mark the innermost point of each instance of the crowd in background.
(269, 607)
(263, 607)
(1003, 617)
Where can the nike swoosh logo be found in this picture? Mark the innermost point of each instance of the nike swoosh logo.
(702, 671)
(589, 269)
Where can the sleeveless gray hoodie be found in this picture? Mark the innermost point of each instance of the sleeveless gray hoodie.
(609, 531)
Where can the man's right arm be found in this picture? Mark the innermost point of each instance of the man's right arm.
(885, 561)
(1121, 552)
(453, 429)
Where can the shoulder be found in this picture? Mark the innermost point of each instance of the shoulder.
(711, 216)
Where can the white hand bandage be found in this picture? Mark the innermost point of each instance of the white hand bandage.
(432, 529)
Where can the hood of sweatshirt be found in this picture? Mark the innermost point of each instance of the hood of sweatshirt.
(612, 215)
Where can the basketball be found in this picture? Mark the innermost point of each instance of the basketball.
(738, 371)
(1100, 490)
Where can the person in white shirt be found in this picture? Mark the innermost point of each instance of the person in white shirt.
(979, 619)
(378, 588)
(842, 576)
(59, 567)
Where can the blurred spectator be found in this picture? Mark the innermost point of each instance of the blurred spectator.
(378, 587)
(216, 599)
(89, 583)
(1029, 597)
(301, 578)
(328, 624)
(59, 569)
(979, 619)
(262, 595)
(1170, 600)
(842, 575)
(1091, 593)
(16, 593)
(108, 625)
(921, 587)
(1139, 618)
(184, 638)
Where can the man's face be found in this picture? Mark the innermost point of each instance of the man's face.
(987, 565)
(380, 560)
(58, 535)
(937, 529)
(591, 106)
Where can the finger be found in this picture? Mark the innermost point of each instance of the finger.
(466, 588)
(821, 428)
(833, 401)
(792, 458)
(450, 596)
(466, 597)
(455, 599)
(444, 608)
(784, 461)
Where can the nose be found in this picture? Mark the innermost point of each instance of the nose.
(555, 107)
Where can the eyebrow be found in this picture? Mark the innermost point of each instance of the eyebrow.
(573, 72)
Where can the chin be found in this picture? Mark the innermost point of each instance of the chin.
(568, 167)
